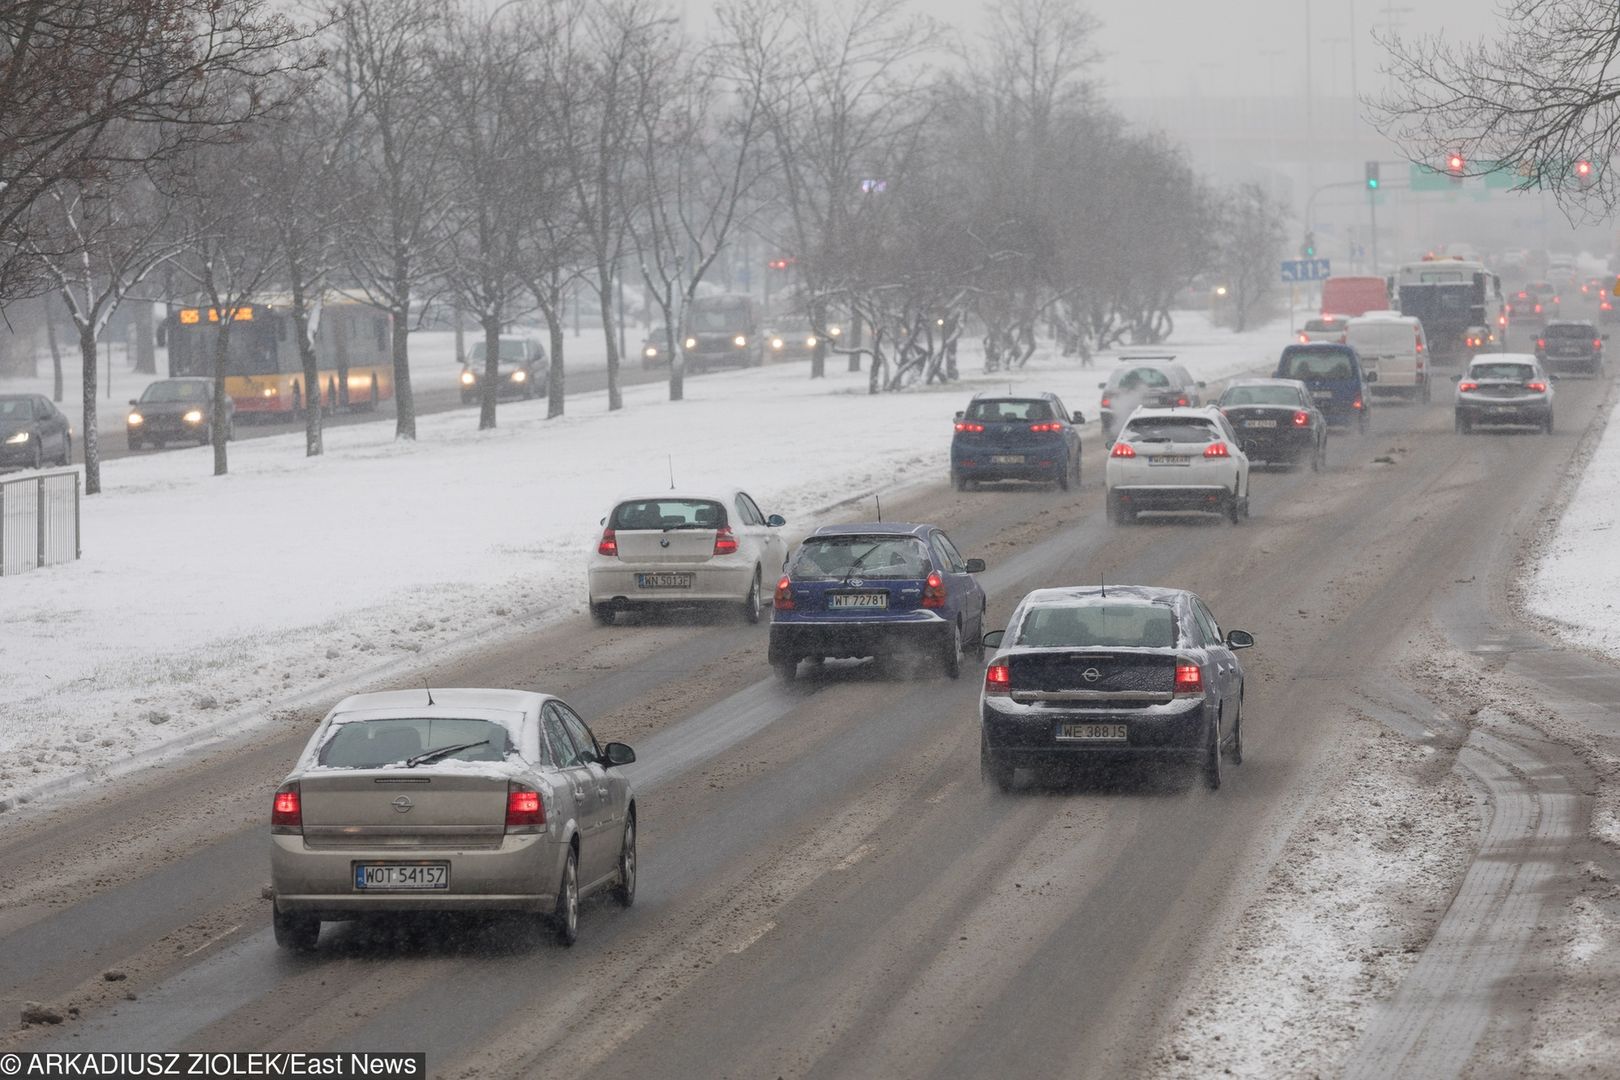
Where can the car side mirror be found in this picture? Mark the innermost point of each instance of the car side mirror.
(134, 401)
(1371, 376)
(993, 639)
(975, 566)
(1200, 384)
(1102, 386)
(776, 521)
(617, 753)
(960, 414)
(1239, 639)
(1077, 419)
(1552, 378)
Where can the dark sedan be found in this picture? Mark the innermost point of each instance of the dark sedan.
(1016, 438)
(1571, 346)
(520, 371)
(175, 410)
(1276, 421)
(33, 431)
(1125, 670)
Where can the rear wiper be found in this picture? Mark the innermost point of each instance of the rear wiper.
(443, 751)
(856, 565)
(688, 525)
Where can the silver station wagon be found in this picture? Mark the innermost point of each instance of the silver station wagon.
(450, 800)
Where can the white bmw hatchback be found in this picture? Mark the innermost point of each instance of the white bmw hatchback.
(685, 548)
(1177, 459)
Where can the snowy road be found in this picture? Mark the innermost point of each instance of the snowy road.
(828, 889)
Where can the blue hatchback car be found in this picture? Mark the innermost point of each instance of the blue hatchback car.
(1032, 437)
(1334, 377)
(875, 590)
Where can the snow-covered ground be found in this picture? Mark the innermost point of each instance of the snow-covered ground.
(203, 603)
(1576, 584)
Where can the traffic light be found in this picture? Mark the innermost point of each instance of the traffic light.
(1372, 176)
(1455, 164)
(1307, 250)
(1585, 174)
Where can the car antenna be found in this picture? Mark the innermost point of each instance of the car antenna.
(879, 500)
(672, 472)
(429, 690)
(1103, 579)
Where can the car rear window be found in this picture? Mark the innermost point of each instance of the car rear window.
(1009, 409)
(1501, 371)
(1260, 395)
(1170, 429)
(1136, 378)
(1108, 626)
(371, 744)
(1569, 330)
(1323, 325)
(668, 514)
(821, 558)
(1321, 365)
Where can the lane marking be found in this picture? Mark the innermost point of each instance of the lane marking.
(217, 937)
(753, 936)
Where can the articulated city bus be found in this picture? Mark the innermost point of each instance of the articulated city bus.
(264, 375)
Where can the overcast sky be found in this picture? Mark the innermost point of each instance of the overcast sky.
(1248, 47)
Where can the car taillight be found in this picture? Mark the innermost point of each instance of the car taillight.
(1304, 339)
(1217, 450)
(784, 595)
(1538, 309)
(1107, 402)
(969, 427)
(1468, 386)
(1541, 343)
(998, 679)
(1189, 679)
(1538, 387)
(287, 811)
(1122, 449)
(609, 544)
(1181, 401)
(1356, 404)
(1597, 343)
(725, 541)
(1607, 306)
(934, 590)
(1045, 427)
(524, 807)
(1301, 419)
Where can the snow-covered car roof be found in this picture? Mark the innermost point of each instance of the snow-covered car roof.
(1205, 412)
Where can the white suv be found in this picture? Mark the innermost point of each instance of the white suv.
(1177, 459)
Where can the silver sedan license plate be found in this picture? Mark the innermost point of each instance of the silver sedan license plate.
(1006, 459)
(1092, 732)
(858, 600)
(383, 877)
(663, 581)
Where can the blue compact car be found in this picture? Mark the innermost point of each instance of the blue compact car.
(876, 590)
(1016, 438)
(1334, 377)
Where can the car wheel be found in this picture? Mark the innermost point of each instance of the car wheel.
(1212, 758)
(1235, 744)
(134, 444)
(159, 443)
(1234, 508)
(786, 670)
(602, 614)
(67, 451)
(751, 606)
(992, 768)
(625, 891)
(1319, 458)
(951, 658)
(975, 650)
(1548, 426)
(1063, 477)
(296, 933)
(1425, 392)
(1364, 422)
(1464, 425)
(962, 482)
(566, 918)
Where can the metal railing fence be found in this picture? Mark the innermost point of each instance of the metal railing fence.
(39, 521)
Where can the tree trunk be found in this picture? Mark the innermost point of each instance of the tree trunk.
(92, 448)
(145, 348)
(551, 308)
(672, 338)
(313, 442)
(56, 352)
(818, 355)
(855, 334)
(222, 344)
(604, 293)
(404, 402)
(491, 323)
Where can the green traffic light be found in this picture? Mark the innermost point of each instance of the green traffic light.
(1372, 183)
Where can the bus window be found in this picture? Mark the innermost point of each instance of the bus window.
(382, 334)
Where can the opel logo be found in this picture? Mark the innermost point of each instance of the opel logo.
(1091, 674)
(403, 804)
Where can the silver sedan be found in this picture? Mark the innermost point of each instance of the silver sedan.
(450, 800)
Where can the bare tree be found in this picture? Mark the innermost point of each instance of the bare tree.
(1252, 241)
(399, 167)
(1537, 101)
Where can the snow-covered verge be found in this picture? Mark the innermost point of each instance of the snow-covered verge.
(1575, 586)
(204, 603)
(1356, 892)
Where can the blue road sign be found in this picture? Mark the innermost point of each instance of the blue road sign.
(1295, 271)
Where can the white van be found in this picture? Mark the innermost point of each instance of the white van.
(1394, 355)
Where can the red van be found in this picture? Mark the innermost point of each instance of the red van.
(1354, 295)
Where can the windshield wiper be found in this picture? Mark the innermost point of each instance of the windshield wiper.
(443, 751)
(856, 565)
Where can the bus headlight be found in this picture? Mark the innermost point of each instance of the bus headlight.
(691, 343)
(468, 378)
(269, 391)
(776, 343)
(136, 419)
(740, 341)
(193, 417)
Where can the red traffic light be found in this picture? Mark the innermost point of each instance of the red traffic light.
(1583, 169)
(1455, 163)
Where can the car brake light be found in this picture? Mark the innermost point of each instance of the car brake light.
(934, 590)
(1356, 404)
(1301, 419)
(1304, 339)
(1106, 402)
(287, 812)
(1597, 343)
(998, 679)
(524, 807)
(1217, 450)
(1538, 309)
(1045, 427)
(1556, 300)
(1122, 449)
(1607, 306)
(1541, 343)
(784, 595)
(1468, 386)
(725, 541)
(609, 544)
(1181, 401)
(969, 427)
(1189, 679)
(1538, 387)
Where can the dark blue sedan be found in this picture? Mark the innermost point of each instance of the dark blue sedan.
(1016, 438)
(876, 590)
